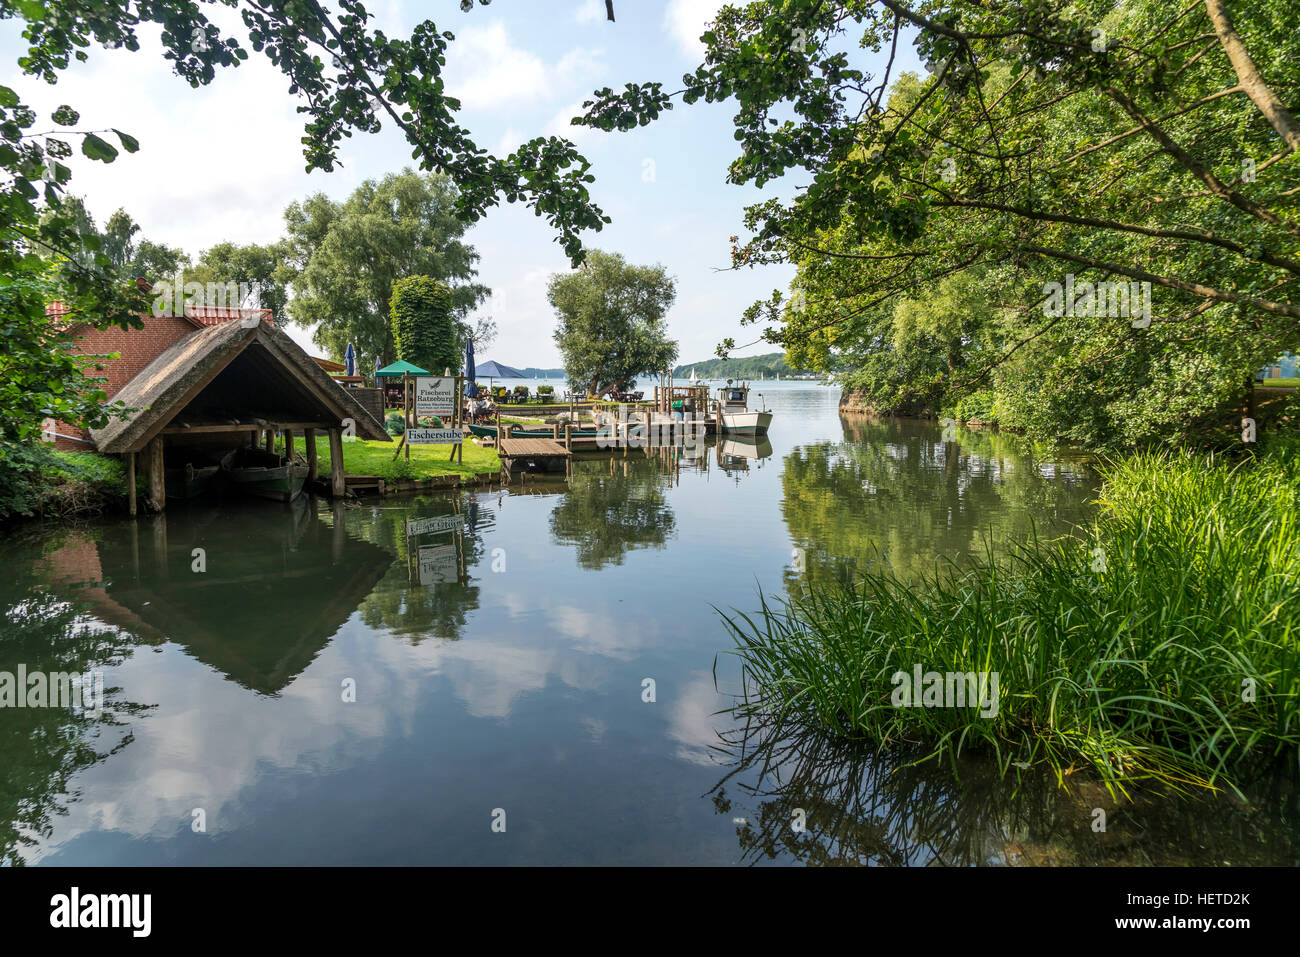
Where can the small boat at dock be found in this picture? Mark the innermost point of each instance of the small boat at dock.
(190, 480)
(735, 415)
(264, 474)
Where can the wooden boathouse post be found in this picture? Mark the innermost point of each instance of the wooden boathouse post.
(157, 484)
(338, 483)
(313, 471)
(130, 483)
(288, 445)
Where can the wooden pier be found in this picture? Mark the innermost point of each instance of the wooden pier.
(544, 453)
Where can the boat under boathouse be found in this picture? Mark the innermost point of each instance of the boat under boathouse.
(223, 387)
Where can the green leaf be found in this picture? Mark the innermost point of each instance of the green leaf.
(129, 142)
(98, 148)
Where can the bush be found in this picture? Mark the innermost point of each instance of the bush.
(37, 480)
(393, 423)
(546, 391)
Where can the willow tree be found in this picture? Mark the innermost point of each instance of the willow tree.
(612, 321)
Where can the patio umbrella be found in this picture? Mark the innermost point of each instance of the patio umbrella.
(495, 370)
(350, 360)
(471, 389)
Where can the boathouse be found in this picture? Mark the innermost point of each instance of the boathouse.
(225, 385)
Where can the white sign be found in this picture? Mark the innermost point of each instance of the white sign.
(435, 396)
(438, 564)
(434, 436)
(438, 523)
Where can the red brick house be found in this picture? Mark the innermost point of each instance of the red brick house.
(136, 348)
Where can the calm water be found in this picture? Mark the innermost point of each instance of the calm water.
(500, 665)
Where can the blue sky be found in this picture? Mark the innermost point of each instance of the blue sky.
(222, 162)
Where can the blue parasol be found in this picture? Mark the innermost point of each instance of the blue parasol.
(350, 361)
(471, 389)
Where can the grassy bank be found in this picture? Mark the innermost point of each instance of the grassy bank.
(40, 482)
(376, 458)
(1166, 644)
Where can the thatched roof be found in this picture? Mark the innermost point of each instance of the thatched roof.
(167, 385)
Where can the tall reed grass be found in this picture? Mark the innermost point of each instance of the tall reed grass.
(1163, 643)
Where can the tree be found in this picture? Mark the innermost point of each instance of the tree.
(343, 259)
(1168, 120)
(612, 325)
(258, 270)
(422, 323)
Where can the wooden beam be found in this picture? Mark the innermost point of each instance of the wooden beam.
(338, 482)
(309, 436)
(268, 442)
(157, 484)
(288, 445)
(241, 427)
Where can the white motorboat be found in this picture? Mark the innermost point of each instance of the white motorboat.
(735, 415)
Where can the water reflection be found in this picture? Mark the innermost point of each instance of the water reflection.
(894, 493)
(613, 505)
(884, 808)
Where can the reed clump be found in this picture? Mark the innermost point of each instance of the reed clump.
(1160, 644)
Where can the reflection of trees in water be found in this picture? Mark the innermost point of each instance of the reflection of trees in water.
(868, 807)
(892, 491)
(406, 607)
(612, 506)
(41, 748)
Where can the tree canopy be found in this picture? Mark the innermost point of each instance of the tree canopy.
(1145, 142)
(342, 259)
(612, 321)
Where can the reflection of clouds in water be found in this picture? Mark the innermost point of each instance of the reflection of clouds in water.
(209, 740)
(602, 632)
(694, 723)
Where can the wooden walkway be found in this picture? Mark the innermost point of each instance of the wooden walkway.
(544, 453)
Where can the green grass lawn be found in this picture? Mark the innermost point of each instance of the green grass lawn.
(376, 458)
(1278, 383)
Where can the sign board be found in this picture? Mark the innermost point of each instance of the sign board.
(434, 436)
(438, 564)
(437, 523)
(435, 396)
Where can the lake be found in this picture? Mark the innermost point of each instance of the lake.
(538, 675)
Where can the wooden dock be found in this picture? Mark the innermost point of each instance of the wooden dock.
(543, 453)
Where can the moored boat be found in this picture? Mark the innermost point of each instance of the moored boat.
(735, 415)
(264, 474)
(189, 480)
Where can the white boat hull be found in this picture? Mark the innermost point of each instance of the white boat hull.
(746, 423)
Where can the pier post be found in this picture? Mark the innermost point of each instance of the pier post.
(313, 471)
(288, 445)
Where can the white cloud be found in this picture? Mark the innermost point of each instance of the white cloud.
(485, 70)
(686, 19)
(590, 11)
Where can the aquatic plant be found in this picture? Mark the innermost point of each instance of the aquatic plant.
(1163, 643)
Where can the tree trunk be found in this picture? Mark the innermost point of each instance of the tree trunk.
(1260, 93)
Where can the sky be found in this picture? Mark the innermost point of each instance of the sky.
(220, 163)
